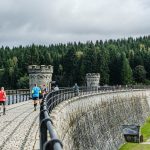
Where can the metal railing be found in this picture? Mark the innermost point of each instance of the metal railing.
(16, 96)
(45, 127)
(52, 99)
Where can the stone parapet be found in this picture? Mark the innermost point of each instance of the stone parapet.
(34, 69)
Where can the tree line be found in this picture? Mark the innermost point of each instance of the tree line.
(119, 62)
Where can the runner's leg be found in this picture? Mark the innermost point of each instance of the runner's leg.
(35, 103)
(0, 108)
(4, 108)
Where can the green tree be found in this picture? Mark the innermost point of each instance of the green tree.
(90, 60)
(69, 67)
(103, 66)
(115, 69)
(139, 74)
(23, 82)
(126, 71)
(72, 61)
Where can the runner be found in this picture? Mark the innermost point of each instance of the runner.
(35, 95)
(3, 99)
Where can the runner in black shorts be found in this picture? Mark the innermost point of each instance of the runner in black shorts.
(3, 99)
(35, 95)
(3, 103)
(35, 98)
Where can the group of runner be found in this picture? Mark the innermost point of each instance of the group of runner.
(37, 94)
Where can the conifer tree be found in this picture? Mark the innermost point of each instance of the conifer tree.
(126, 71)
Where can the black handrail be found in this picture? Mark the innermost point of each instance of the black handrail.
(46, 125)
(53, 98)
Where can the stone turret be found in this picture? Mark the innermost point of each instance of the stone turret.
(92, 79)
(40, 75)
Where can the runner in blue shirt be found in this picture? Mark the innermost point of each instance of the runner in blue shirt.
(35, 95)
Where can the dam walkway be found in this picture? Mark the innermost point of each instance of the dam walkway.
(19, 128)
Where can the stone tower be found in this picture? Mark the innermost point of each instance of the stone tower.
(92, 79)
(40, 75)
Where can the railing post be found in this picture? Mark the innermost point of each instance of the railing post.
(8, 97)
(13, 96)
(20, 96)
(27, 95)
(16, 96)
(23, 95)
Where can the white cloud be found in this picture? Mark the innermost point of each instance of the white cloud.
(54, 21)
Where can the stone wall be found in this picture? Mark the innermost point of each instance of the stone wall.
(94, 122)
(92, 79)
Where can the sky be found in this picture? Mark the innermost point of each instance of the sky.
(24, 22)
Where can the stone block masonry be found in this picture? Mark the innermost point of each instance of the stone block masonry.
(40, 75)
(92, 79)
(94, 122)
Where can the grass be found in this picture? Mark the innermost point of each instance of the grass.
(135, 146)
(145, 131)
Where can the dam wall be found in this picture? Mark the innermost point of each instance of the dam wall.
(94, 121)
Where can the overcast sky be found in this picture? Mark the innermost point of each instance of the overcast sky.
(24, 22)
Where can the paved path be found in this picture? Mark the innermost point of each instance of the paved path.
(19, 128)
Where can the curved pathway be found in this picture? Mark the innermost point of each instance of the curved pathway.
(19, 128)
